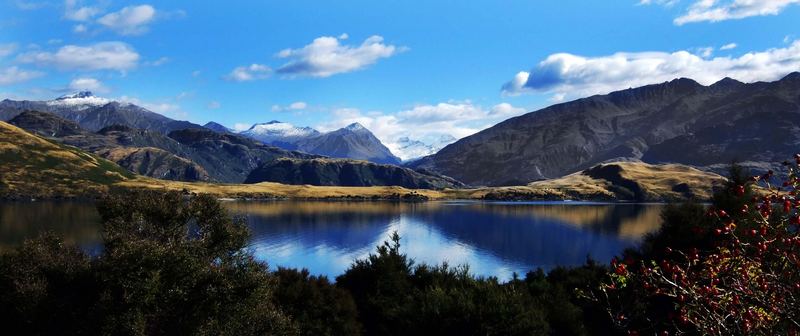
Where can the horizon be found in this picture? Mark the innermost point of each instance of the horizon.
(200, 62)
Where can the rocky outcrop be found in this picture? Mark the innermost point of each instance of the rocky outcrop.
(352, 173)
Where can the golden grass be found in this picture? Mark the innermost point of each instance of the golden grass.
(33, 166)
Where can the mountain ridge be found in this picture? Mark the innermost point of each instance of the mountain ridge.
(632, 124)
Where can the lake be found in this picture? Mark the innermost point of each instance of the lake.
(493, 238)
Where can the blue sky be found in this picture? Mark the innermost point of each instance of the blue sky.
(401, 68)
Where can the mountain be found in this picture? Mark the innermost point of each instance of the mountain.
(348, 173)
(31, 166)
(216, 127)
(119, 144)
(351, 142)
(679, 121)
(95, 113)
(195, 154)
(229, 157)
(410, 150)
(280, 134)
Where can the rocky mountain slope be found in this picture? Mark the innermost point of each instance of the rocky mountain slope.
(187, 155)
(679, 121)
(95, 113)
(351, 142)
(349, 173)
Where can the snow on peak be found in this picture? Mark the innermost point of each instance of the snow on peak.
(355, 127)
(409, 149)
(79, 94)
(80, 99)
(276, 129)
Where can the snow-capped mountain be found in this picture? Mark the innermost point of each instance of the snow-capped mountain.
(280, 134)
(409, 149)
(79, 100)
(95, 113)
(353, 142)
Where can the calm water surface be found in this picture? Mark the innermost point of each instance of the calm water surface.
(494, 238)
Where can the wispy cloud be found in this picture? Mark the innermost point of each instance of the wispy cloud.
(728, 46)
(99, 56)
(326, 56)
(88, 84)
(131, 20)
(75, 11)
(15, 75)
(296, 106)
(715, 11)
(426, 122)
(249, 73)
(7, 49)
(568, 75)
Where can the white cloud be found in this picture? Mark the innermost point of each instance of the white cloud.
(80, 28)
(166, 108)
(424, 122)
(298, 106)
(159, 62)
(130, 20)
(705, 52)
(75, 12)
(100, 56)
(88, 84)
(214, 105)
(728, 46)
(249, 73)
(7, 49)
(577, 76)
(14, 75)
(240, 127)
(715, 11)
(325, 56)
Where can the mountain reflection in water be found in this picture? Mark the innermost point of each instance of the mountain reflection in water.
(495, 239)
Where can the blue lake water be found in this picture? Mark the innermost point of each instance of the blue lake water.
(493, 238)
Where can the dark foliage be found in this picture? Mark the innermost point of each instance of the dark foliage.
(169, 267)
(173, 265)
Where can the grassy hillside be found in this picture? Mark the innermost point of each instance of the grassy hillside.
(34, 167)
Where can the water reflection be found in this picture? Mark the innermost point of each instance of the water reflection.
(77, 222)
(495, 239)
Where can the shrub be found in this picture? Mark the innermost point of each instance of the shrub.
(738, 276)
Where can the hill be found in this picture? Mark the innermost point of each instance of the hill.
(31, 166)
(346, 173)
(679, 121)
